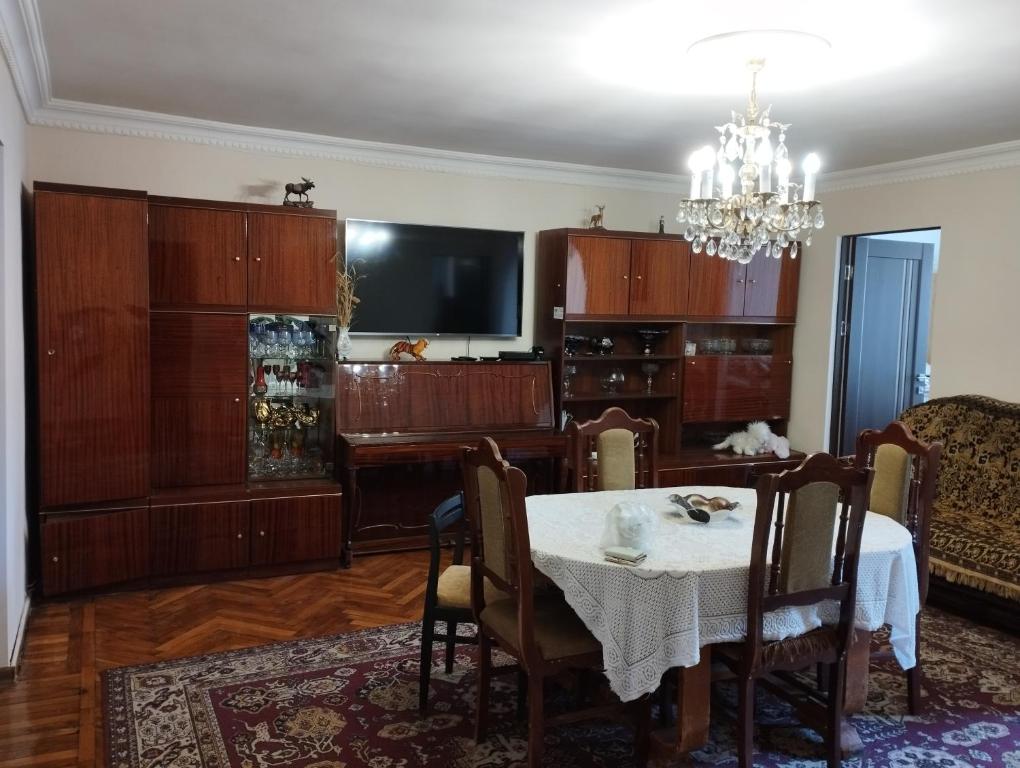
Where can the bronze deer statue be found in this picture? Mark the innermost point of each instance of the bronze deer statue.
(298, 188)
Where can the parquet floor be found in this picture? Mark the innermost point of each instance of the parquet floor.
(52, 715)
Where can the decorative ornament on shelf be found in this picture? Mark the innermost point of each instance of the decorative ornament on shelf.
(757, 438)
(769, 211)
(596, 220)
(299, 188)
(346, 283)
(405, 347)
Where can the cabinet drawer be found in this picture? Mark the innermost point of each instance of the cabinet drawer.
(88, 550)
(295, 529)
(192, 538)
(736, 387)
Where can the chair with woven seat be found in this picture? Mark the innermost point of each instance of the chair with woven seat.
(906, 472)
(815, 517)
(613, 452)
(540, 631)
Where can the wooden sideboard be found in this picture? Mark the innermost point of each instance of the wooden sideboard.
(144, 378)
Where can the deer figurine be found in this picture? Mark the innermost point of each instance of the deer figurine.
(596, 218)
(300, 189)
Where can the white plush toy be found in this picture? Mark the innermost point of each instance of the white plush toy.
(757, 438)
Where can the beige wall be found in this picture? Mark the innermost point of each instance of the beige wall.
(975, 337)
(13, 521)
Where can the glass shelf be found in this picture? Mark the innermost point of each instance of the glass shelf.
(291, 370)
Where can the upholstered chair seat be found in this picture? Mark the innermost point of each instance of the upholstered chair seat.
(454, 588)
(558, 631)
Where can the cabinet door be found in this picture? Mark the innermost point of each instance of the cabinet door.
(736, 388)
(191, 538)
(659, 274)
(717, 287)
(93, 355)
(598, 276)
(196, 257)
(291, 262)
(89, 550)
(295, 529)
(772, 287)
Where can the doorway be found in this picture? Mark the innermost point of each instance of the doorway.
(882, 326)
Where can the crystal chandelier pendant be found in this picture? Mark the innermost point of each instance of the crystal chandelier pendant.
(767, 212)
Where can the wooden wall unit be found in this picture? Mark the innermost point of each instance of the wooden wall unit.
(143, 461)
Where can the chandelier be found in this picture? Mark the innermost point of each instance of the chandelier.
(737, 226)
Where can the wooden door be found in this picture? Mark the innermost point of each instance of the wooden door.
(89, 550)
(598, 276)
(197, 257)
(291, 262)
(772, 287)
(295, 529)
(93, 347)
(199, 410)
(717, 287)
(192, 538)
(659, 275)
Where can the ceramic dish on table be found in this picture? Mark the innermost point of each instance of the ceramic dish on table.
(703, 509)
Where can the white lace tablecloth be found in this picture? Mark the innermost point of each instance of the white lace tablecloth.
(691, 591)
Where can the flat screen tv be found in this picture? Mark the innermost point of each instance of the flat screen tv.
(417, 280)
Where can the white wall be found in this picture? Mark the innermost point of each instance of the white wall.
(13, 520)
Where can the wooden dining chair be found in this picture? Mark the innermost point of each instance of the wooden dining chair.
(541, 631)
(810, 512)
(613, 452)
(906, 473)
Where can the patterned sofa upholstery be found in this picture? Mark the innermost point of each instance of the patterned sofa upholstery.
(975, 529)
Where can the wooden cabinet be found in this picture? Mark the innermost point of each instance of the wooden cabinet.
(93, 344)
(200, 537)
(610, 276)
(86, 550)
(199, 385)
(197, 257)
(736, 388)
(291, 262)
(765, 288)
(295, 529)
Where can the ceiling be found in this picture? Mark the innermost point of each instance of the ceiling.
(594, 82)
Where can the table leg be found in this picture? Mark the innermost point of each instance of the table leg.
(858, 661)
(693, 708)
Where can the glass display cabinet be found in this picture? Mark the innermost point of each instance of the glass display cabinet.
(291, 372)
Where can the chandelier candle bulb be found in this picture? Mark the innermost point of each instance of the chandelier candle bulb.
(726, 176)
(765, 178)
(708, 190)
(812, 163)
(783, 171)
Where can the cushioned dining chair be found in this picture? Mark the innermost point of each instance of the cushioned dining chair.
(540, 630)
(906, 472)
(814, 515)
(613, 452)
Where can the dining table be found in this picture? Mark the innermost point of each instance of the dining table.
(690, 593)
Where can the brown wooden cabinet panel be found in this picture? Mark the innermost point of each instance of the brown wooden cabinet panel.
(659, 275)
(772, 287)
(717, 287)
(93, 347)
(291, 262)
(598, 276)
(198, 441)
(736, 388)
(199, 354)
(197, 257)
(295, 529)
(88, 550)
(191, 538)
(734, 475)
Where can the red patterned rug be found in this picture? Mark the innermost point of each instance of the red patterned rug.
(351, 700)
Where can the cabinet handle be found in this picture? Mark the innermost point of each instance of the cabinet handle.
(258, 258)
(237, 258)
(262, 533)
(240, 535)
(752, 281)
(626, 277)
(56, 559)
(51, 352)
(639, 277)
(237, 399)
(740, 279)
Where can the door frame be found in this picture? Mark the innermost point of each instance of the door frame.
(841, 329)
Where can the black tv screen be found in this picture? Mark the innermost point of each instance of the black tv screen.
(424, 280)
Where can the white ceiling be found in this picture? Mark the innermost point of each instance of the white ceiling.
(581, 81)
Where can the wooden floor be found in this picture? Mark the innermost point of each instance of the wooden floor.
(52, 715)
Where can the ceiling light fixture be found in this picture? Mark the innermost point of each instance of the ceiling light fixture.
(756, 218)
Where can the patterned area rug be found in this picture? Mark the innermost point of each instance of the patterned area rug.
(351, 700)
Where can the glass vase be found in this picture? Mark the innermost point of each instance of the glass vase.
(344, 347)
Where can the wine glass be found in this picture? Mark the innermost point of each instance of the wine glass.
(569, 372)
(276, 378)
(649, 370)
(285, 375)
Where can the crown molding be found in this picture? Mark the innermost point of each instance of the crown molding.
(22, 43)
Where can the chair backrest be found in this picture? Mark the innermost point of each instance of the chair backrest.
(614, 452)
(448, 514)
(906, 473)
(814, 516)
(494, 500)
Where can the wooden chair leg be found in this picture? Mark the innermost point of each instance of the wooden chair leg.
(451, 639)
(425, 665)
(536, 732)
(834, 719)
(484, 665)
(915, 678)
(745, 723)
(821, 675)
(642, 729)
(665, 700)
(522, 693)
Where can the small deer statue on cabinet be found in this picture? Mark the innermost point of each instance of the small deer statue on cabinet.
(595, 222)
(299, 188)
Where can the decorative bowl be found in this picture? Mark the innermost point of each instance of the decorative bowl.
(756, 346)
(649, 337)
(717, 507)
(573, 344)
(601, 345)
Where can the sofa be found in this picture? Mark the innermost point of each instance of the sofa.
(975, 527)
